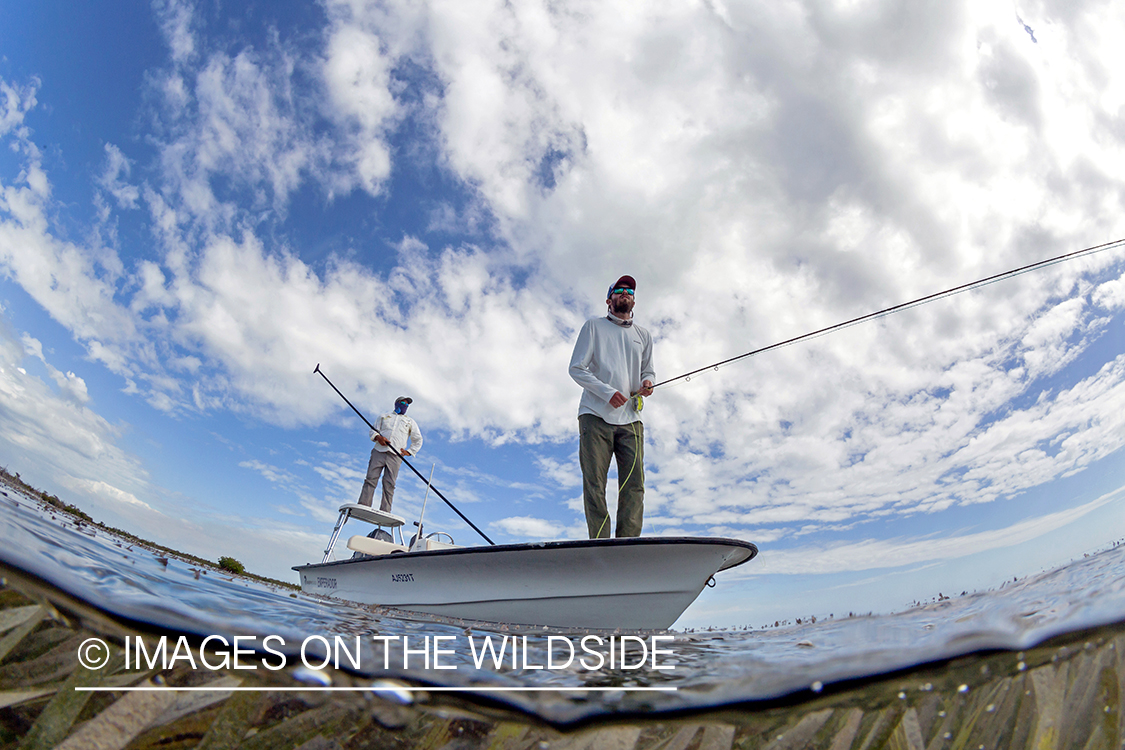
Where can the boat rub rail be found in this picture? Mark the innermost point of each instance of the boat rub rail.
(571, 543)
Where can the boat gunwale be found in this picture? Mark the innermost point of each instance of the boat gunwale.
(560, 544)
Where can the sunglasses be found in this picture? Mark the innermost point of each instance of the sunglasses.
(623, 290)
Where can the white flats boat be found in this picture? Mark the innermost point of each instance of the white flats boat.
(638, 583)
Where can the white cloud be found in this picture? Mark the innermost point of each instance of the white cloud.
(873, 554)
(15, 102)
(118, 166)
(102, 490)
(72, 386)
(357, 75)
(270, 472)
(75, 284)
(175, 18)
(764, 171)
(566, 474)
(527, 527)
(237, 120)
(60, 442)
(67, 449)
(1111, 295)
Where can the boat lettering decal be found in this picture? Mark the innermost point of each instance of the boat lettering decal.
(325, 583)
(402, 577)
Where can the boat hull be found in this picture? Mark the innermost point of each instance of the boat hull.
(638, 583)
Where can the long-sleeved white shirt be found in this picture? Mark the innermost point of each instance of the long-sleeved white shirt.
(609, 358)
(400, 430)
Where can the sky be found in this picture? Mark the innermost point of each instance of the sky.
(202, 202)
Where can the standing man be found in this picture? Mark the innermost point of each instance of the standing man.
(395, 435)
(612, 358)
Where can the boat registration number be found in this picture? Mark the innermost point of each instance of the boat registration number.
(402, 577)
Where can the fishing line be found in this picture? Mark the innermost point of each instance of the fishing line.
(621, 485)
(905, 306)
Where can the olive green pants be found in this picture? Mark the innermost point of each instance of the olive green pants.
(388, 463)
(598, 440)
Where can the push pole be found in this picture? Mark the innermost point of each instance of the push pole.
(420, 476)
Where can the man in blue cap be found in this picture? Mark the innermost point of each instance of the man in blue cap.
(612, 358)
(395, 435)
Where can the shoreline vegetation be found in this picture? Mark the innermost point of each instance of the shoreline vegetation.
(225, 565)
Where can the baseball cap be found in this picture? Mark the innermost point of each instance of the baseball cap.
(627, 282)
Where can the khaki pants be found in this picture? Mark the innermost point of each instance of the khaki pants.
(387, 463)
(598, 440)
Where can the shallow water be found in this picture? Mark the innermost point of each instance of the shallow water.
(115, 588)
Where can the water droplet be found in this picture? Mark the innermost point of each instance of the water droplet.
(990, 708)
(817, 686)
(393, 691)
(902, 696)
(1021, 666)
(963, 689)
(312, 676)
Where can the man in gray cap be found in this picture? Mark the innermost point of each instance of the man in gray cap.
(395, 435)
(612, 358)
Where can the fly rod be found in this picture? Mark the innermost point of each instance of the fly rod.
(905, 305)
(420, 476)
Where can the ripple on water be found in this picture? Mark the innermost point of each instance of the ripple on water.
(145, 589)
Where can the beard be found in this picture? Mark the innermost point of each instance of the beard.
(621, 305)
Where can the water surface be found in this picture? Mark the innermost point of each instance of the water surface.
(110, 581)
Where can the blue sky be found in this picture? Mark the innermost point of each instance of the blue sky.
(201, 202)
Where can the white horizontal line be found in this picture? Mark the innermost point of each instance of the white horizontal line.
(206, 689)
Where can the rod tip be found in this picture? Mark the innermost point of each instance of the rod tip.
(317, 368)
